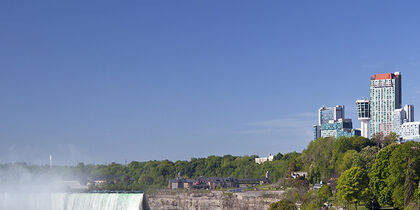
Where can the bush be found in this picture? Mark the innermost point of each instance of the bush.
(283, 205)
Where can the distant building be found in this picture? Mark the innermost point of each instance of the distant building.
(215, 182)
(180, 183)
(298, 174)
(363, 114)
(264, 159)
(317, 131)
(385, 97)
(409, 112)
(333, 124)
(326, 114)
(342, 127)
(410, 131)
(398, 118)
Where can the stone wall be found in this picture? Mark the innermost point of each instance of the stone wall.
(204, 199)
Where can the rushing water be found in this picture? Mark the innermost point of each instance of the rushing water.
(71, 201)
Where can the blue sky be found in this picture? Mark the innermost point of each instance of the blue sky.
(102, 81)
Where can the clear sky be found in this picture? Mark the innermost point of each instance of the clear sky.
(102, 81)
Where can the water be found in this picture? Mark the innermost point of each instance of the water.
(71, 201)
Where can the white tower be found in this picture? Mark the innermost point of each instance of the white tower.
(363, 113)
(50, 161)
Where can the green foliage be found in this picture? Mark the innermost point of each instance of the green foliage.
(346, 161)
(156, 174)
(315, 199)
(325, 193)
(328, 157)
(417, 194)
(395, 174)
(404, 167)
(292, 194)
(353, 185)
(391, 138)
(365, 158)
(311, 200)
(378, 175)
(283, 205)
(279, 156)
(316, 159)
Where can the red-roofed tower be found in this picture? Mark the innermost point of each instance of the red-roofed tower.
(385, 97)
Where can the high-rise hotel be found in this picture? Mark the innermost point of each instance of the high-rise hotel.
(385, 97)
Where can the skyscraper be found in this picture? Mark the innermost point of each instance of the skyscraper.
(385, 97)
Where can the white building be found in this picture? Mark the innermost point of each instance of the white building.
(409, 111)
(363, 114)
(264, 159)
(398, 118)
(410, 131)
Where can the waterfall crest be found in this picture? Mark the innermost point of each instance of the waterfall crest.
(71, 201)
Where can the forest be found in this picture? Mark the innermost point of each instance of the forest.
(359, 171)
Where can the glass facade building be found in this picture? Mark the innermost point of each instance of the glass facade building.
(342, 127)
(325, 114)
(317, 131)
(332, 123)
(385, 97)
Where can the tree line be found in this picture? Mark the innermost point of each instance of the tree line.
(372, 172)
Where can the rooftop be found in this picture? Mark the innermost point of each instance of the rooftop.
(385, 76)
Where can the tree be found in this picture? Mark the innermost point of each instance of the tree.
(417, 194)
(279, 156)
(311, 200)
(283, 205)
(379, 174)
(292, 194)
(399, 168)
(325, 193)
(391, 138)
(378, 138)
(317, 159)
(353, 186)
(395, 174)
(346, 161)
(360, 142)
(410, 183)
(365, 158)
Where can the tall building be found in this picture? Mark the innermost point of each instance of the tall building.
(398, 118)
(385, 97)
(409, 112)
(363, 114)
(325, 114)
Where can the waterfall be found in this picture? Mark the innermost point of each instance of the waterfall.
(71, 201)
